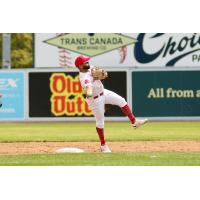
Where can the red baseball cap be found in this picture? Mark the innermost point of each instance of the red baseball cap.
(80, 60)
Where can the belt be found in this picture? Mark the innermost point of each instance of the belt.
(101, 94)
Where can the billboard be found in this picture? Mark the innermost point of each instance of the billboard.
(12, 90)
(118, 50)
(60, 50)
(166, 93)
(59, 94)
(167, 49)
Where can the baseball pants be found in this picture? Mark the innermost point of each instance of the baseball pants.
(98, 105)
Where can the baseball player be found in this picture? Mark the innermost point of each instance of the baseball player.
(96, 97)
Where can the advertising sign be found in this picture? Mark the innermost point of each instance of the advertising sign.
(118, 50)
(106, 49)
(12, 99)
(167, 49)
(59, 94)
(166, 93)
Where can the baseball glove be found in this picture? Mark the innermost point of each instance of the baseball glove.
(98, 73)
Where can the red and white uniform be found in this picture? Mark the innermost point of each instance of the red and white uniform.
(100, 97)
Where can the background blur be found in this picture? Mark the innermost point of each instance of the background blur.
(157, 73)
(21, 51)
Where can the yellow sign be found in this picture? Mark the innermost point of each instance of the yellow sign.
(91, 44)
(67, 97)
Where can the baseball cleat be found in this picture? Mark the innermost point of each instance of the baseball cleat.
(105, 149)
(139, 122)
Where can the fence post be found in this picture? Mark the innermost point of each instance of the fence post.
(6, 50)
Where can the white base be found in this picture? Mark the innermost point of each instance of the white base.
(69, 150)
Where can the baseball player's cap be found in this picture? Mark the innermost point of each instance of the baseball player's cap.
(80, 60)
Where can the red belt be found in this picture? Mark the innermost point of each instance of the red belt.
(98, 95)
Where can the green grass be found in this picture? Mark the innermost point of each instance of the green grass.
(118, 131)
(97, 159)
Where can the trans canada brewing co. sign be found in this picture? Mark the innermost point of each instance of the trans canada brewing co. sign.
(119, 50)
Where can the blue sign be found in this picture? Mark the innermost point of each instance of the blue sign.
(11, 95)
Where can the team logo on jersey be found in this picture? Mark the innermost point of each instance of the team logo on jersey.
(167, 49)
(87, 81)
(91, 44)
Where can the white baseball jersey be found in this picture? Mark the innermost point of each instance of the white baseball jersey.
(86, 79)
(98, 104)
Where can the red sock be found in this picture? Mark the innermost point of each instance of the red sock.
(100, 132)
(127, 111)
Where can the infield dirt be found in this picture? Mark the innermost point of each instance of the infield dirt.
(93, 147)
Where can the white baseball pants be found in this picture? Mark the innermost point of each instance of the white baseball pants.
(98, 105)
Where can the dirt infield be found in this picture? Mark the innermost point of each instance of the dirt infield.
(136, 146)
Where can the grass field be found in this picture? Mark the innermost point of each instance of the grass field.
(118, 131)
(98, 159)
(154, 131)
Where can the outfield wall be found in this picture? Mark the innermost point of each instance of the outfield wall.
(14, 91)
(159, 50)
(170, 94)
(55, 94)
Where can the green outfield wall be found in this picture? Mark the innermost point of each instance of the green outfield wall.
(166, 93)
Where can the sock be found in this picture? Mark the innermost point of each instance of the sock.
(100, 132)
(127, 111)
